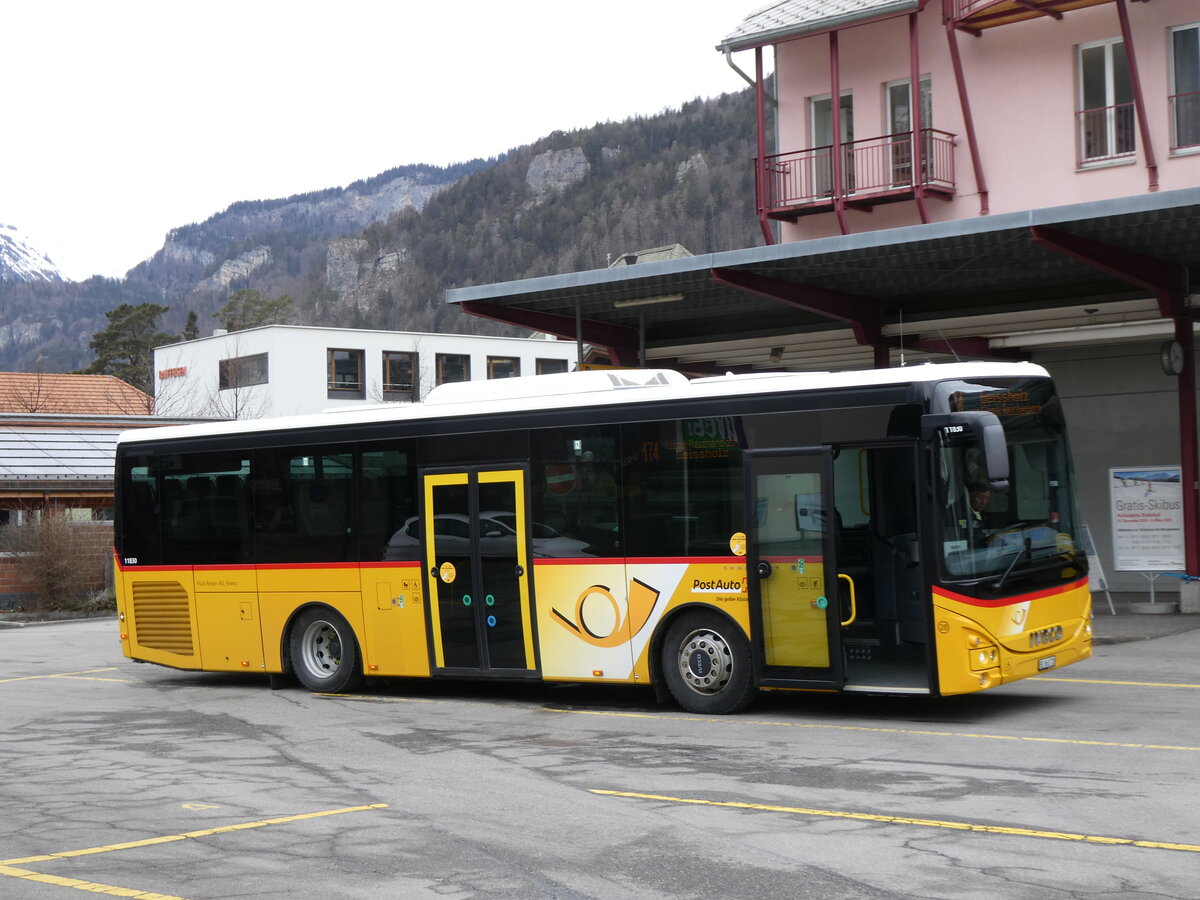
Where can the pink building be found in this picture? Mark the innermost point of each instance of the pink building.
(1041, 201)
(1023, 105)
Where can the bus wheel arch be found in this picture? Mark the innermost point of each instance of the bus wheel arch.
(703, 658)
(322, 650)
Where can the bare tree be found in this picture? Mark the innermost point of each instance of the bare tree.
(58, 556)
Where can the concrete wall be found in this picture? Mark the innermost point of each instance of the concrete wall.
(1122, 410)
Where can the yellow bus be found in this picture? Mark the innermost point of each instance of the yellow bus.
(903, 531)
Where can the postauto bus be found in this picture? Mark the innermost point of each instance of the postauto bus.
(711, 538)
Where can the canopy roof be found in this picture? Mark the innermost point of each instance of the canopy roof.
(974, 288)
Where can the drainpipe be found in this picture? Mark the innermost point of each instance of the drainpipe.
(965, 102)
(835, 109)
(914, 102)
(1139, 100)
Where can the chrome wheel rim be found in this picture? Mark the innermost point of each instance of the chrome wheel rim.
(705, 661)
(321, 649)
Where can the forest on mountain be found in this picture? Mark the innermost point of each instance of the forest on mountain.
(682, 176)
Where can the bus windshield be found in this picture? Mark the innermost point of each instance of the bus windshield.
(1029, 534)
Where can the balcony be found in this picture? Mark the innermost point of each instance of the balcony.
(874, 171)
(1106, 133)
(1185, 121)
(976, 15)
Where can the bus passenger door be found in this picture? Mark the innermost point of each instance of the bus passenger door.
(791, 572)
(476, 555)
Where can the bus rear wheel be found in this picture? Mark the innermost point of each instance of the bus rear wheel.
(706, 664)
(324, 652)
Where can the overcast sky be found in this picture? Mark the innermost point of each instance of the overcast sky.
(124, 118)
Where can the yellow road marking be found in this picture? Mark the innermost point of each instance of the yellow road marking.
(81, 885)
(904, 820)
(1167, 684)
(67, 675)
(203, 832)
(924, 732)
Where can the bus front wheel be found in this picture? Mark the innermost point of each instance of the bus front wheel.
(324, 652)
(706, 664)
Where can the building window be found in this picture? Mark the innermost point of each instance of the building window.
(821, 129)
(551, 366)
(1106, 114)
(898, 100)
(453, 367)
(400, 375)
(1185, 87)
(503, 367)
(242, 371)
(345, 371)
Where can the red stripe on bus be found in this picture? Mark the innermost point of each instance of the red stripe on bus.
(635, 560)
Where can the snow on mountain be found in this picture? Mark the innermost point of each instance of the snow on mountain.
(21, 262)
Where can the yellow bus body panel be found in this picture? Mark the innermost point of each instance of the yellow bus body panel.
(157, 611)
(394, 612)
(229, 632)
(308, 579)
(981, 645)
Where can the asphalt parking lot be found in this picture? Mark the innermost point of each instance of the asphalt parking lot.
(139, 781)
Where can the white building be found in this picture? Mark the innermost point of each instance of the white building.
(279, 370)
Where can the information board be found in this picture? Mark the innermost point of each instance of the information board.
(1147, 518)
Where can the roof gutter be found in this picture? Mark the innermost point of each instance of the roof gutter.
(821, 26)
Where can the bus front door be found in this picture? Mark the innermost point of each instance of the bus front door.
(791, 572)
(476, 555)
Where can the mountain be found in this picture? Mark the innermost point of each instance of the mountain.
(381, 252)
(21, 262)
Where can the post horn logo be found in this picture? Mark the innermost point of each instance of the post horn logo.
(603, 621)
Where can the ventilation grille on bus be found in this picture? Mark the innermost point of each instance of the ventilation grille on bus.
(160, 616)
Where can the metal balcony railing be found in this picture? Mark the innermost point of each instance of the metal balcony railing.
(874, 170)
(1107, 132)
(1185, 120)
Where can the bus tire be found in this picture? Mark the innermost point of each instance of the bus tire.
(706, 664)
(324, 652)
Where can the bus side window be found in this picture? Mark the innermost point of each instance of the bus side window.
(683, 486)
(140, 539)
(575, 492)
(388, 526)
(200, 525)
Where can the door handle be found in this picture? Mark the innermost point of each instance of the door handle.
(853, 602)
(764, 570)
(520, 571)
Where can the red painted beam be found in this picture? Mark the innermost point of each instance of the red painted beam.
(863, 314)
(1166, 280)
(1139, 99)
(1189, 447)
(760, 140)
(964, 102)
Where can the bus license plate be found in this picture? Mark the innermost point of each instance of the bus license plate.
(1046, 662)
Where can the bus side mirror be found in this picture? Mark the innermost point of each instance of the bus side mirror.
(988, 432)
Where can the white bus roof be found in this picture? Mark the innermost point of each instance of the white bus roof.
(596, 388)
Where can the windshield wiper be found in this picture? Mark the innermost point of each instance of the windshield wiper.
(998, 584)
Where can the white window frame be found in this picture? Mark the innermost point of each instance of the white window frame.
(1188, 148)
(1111, 152)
